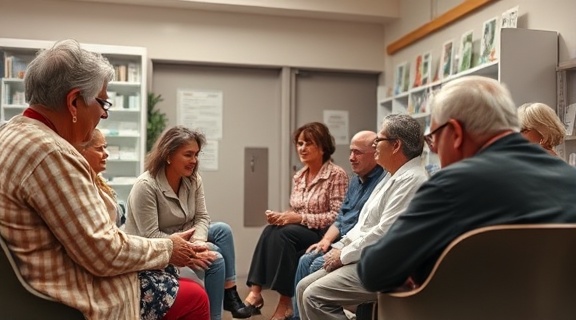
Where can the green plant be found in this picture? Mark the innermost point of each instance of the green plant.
(156, 120)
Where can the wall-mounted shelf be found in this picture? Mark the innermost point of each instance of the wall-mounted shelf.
(526, 63)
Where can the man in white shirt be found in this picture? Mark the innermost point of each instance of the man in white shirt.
(399, 145)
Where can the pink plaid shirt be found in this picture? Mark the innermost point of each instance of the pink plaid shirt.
(320, 201)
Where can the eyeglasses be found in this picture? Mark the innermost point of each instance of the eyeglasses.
(106, 105)
(375, 142)
(357, 152)
(429, 138)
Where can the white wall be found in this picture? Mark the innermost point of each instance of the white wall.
(201, 36)
(554, 15)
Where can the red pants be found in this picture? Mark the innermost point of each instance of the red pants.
(191, 303)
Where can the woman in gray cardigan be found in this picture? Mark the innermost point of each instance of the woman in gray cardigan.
(169, 198)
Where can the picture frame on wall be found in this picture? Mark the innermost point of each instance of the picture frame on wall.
(417, 71)
(465, 57)
(426, 68)
(399, 78)
(446, 64)
(488, 41)
(510, 18)
(406, 81)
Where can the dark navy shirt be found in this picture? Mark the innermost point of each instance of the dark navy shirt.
(357, 194)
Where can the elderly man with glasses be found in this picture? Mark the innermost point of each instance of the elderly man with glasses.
(489, 176)
(398, 146)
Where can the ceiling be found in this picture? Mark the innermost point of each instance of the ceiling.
(369, 11)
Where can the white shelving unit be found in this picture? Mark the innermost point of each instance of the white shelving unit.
(566, 77)
(125, 128)
(526, 64)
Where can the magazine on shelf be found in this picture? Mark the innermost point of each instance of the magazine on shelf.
(445, 68)
(399, 78)
(426, 68)
(417, 71)
(465, 56)
(488, 43)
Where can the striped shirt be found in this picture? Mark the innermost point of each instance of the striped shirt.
(320, 200)
(60, 231)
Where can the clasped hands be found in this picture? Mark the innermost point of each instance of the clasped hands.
(190, 254)
(282, 218)
(332, 260)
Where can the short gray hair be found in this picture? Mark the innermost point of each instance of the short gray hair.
(406, 129)
(65, 66)
(482, 105)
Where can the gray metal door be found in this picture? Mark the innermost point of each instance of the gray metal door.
(316, 91)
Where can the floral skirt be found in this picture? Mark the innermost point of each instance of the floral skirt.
(158, 289)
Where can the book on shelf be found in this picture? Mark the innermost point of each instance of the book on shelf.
(122, 73)
(133, 73)
(118, 102)
(15, 66)
(134, 102)
(128, 153)
(113, 152)
(126, 128)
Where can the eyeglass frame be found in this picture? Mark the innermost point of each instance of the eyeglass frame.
(377, 140)
(429, 138)
(105, 104)
(357, 152)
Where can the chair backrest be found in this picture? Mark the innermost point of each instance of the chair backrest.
(500, 272)
(19, 301)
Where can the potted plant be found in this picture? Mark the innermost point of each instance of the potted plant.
(156, 120)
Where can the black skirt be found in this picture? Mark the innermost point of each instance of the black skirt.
(276, 256)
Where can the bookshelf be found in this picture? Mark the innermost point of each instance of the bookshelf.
(566, 86)
(526, 63)
(125, 128)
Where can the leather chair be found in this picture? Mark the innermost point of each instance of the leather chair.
(500, 272)
(19, 301)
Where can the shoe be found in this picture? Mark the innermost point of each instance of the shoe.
(287, 315)
(233, 303)
(255, 308)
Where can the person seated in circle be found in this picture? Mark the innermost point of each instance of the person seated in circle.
(169, 198)
(317, 195)
(540, 124)
(96, 154)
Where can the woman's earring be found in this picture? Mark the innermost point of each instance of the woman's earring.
(168, 161)
(74, 119)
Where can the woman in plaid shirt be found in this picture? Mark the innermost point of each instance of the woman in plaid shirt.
(317, 195)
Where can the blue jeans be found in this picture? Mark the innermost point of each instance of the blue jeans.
(222, 269)
(308, 264)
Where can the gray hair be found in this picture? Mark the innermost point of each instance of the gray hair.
(65, 66)
(482, 105)
(406, 129)
(542, 118)
(170, 140)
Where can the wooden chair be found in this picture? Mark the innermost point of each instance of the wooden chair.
(19, 301)
(500, 272)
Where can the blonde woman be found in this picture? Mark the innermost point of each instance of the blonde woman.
(540, 124)
(96, 154)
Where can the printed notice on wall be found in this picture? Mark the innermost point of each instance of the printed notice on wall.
(208, 157)
(337, 122)
(202, 110)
